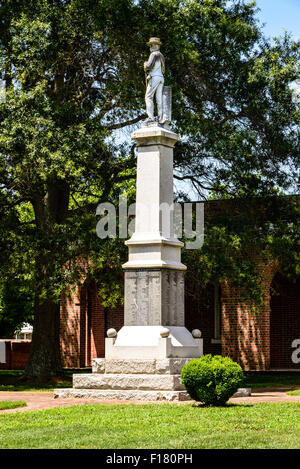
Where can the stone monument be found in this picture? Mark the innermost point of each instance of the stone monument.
(144, 359)
(154, 71)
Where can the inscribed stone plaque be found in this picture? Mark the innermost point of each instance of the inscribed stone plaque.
(154, 297)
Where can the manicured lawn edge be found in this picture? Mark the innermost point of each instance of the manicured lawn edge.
(12, 404)
(160, 426)
(296, 392)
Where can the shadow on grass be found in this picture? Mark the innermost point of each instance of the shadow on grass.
(224, 406)
(14, 380)
(271, 379)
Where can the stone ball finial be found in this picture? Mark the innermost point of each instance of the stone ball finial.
(164, 333)
(196, 333)
(111, 333)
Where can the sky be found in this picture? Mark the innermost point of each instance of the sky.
(279, 15)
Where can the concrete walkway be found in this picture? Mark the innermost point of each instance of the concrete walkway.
(38, 400)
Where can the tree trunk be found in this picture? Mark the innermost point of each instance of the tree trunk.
(50, 210)
(44, 361)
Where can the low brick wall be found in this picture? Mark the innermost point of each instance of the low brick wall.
(17, 354)
(83, 323)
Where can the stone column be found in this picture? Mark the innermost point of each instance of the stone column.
(154, 274)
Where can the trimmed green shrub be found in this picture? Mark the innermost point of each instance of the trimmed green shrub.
(212, 379)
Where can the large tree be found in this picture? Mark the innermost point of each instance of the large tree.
(74, 75)
(69, 78)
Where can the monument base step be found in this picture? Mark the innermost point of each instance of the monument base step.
(133, 380)
(170, 366)
(132, 395)
(139, 382)
(122, 394)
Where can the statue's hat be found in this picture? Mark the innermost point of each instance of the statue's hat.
(154, 40)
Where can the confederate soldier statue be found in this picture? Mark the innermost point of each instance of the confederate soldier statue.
(155, 69)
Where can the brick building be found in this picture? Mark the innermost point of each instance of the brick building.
(14, 354)
(261, 340)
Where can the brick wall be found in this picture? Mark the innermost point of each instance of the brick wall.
(7, 365)
(97, 325)
(70, 318)
(285, 321)
(199, 314)
(17, 354)
(84, 322)
(246, 332)
(115, 317)
(245, 335)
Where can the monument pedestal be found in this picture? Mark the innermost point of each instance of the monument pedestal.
(154, 273)
(157, 342)
(145, 379)
(144, 360)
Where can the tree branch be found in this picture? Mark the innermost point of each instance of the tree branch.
(126, 123)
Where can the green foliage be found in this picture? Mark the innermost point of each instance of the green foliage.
(241, 236)
(68, 80)
(16, 307)
(12, 404)
(294, 393)
(212, 379)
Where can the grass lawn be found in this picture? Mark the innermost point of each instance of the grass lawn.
(10, 380)
(271, 379)
(294, 393)
(12, 404)
(159, 426)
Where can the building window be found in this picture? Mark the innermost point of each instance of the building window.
(217, 315)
